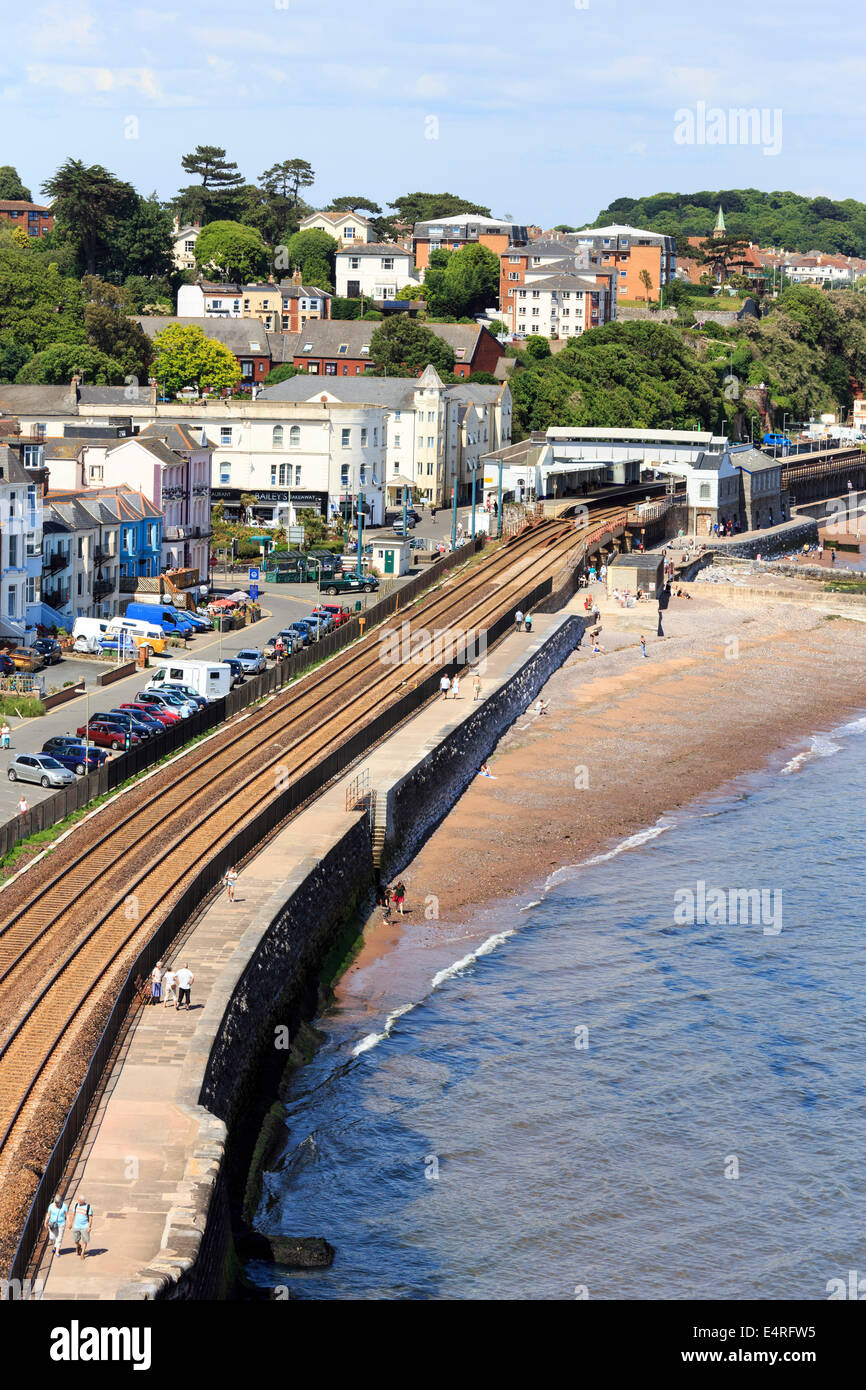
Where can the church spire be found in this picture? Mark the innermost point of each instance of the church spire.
(720, 229)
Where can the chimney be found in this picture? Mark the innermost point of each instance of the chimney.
(296, 278)
(75, 385)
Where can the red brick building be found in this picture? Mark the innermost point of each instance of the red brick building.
(341, 347)
(34, 218)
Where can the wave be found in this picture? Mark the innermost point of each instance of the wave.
(373, 1039)
(630, 842)
(821, 747)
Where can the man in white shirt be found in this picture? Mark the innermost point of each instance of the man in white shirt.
(185, 979)
(169, 988)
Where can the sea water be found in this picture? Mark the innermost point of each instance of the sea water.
(607, 1096)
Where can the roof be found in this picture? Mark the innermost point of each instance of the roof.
(464, 219)
(337, 217)
(375, 248)
(630, 435)
(177, 436)
(13, 470)
(753, 461)
(396, 392)
(38, 400)
(111, 504)
(244, 337)
(617, 229)
(568, 282)
(114, 395)
(326, 336)
(157, 447)
(21, 205)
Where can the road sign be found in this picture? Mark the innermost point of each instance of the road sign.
(254, 574)
(254, 591)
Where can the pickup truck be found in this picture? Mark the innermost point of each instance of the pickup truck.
(351, 584)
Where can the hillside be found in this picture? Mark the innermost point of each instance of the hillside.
(781, 219)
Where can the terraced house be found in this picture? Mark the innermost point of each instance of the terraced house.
(20, 548)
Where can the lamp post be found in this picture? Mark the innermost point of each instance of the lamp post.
(474, 477)
(360, 531)
(454, 508)
(405, 491)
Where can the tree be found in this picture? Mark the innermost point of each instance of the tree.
(402, 347)
(57, 365)
(185, 357)
(218, 193)
(497, 327)
(282, 373)
(721, 254)
(564, 227)
(112, 331)
(89, 202)
(141, 243)
(11, 186)
(537, 347)
(314, 253)
(354, 205)
(421, 207)
(13, 356)
(463, 282)
(647, 282)
(288, 178)
(236, 251)
(38, 305)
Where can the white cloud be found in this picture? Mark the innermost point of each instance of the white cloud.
(59, 26)
(93, 80)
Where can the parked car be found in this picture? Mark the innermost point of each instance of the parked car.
(351, 584)
(142, 720)
(238, 676)
(166, 716)
(296, 633)
(27, 659)
(252, 661)
(107, 735)
(320, 620)
(39, 767)
(72, 754)
(128, 719)
(186, 692)
(340, 614)
(307, 629)
(49, 649)
(7, 665)
(397, 527)
(291, 642)
(172, 702)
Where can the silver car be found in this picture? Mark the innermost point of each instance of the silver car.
(41, 768)
(252, 661)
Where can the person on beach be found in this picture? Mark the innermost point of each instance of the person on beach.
(231, 879)
(484, 771)
(185, 980)
(455, 688)
(82, 1225)
(156, 982)
(445, 686)
(518, 620)
(169, 988)
(541, 706)
(385, 901)
(4, 735)
(476, 687)
(399, 891)
(55, 1221)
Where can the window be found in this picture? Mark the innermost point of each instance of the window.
(363, 438)
(536, 294)
(514, 260)
(387, 262)
(225, 474)
(295, 437)
(705, 491)
(429, 469)
(514, 274)
(226, 436)
(12, 600)
(342, 349)
(396, 415)
(354, 262)
(430, 441)
(128, 538)
(31, 590)
(277, 437)
(345, 438)
(297, 475)
(189, 246)
(396, 441)
(308, 347)
(349, 233)
(330, 369)
(363, 475)
(95, 472)
(521, 294)
(344, 476)
(365, 352)
(13, 552)
(535, 313)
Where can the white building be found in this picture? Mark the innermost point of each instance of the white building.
(183, 244)
(348, 228)
(20, 549)
(561, 306)
(378, 270)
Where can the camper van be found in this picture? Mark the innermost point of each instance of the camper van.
(139, 632)
(88, 632)
(213, 679)
(171, 620)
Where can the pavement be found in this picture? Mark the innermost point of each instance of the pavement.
(150, 1142)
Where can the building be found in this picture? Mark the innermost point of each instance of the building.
(377, 270)
(288, 305)
(183, 244)
(348, 228)
(247, 338)
(36, 219)
(341, 347)
(561, 306)
(21, 521)
(96, 544)
(464, 229)
(630, 251)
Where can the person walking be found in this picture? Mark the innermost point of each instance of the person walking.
(399, 891)
(643, 646)
(185, 980)
(518, 620)
(156, 982)
(527, 623)
(385, 901)
(55, 1221)
(445, 685)
(169, 988)
(231, 878)
(4, 736)
(455, 688)
(476, 687)
(82, 1225)
(23, 807)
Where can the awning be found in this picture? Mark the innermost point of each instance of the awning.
(399, 481)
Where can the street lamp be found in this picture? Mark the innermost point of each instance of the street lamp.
(454, 507)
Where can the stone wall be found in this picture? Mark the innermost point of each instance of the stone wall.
(793, 536)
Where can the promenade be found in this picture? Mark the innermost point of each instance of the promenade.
(150, 1140)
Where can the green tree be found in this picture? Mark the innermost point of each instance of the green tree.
(537, 347)
(354, 204)
(288, 178)
(422, 207)
(11, 186)
(313, 253)
(236, 251)
(185, 357)
(218, 194)
(38, 305)
(463, 282)
(89, 203)
(112, 331)
(13, 356)
(402, 347)
(141, 243)
(282, 373)
(647, 282)
(56, 366)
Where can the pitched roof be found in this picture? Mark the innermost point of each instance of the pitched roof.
(157, 447)
(396, 392)
(336, 217)
(326, 336)
(13, 471)
(38, 400)
(21, 205)
(243, 337)
(375, 248)
(177, 436)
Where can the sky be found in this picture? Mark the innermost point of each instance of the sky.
(545, 111)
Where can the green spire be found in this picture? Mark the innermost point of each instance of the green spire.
(720, 229)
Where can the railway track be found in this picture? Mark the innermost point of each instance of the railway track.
(75, 939)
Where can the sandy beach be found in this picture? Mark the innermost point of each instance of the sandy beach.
(625, 740)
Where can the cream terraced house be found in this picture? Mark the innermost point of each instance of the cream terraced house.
(348, 228)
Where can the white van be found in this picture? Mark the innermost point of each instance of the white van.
(87, 632)
(213, 679)
(139, 631)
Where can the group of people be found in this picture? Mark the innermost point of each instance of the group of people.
(731, 527)
(522, 621)
(169, 986)
(396, 895)
(57, 1219)
(450, 685)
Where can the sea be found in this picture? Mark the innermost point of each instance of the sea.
(644, 1081)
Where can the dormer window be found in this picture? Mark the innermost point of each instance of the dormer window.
(308, 347)
(343, 349)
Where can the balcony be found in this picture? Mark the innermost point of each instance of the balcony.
(100, 556)
(55, 598)
(102, 588)
(58, 561)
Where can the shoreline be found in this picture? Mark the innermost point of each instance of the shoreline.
(627, 743)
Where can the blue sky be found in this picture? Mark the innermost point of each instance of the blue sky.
(543, 110)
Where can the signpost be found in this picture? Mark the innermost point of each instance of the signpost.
(254, 574)
(254, 591)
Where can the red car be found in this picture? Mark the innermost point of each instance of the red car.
(338, 613)
(107, 735)
(165, 716)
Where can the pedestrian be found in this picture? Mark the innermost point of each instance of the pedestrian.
(156, 982)
(444, 685)
(385, 901)
(23, 808)
(833, 555)
(169, 988)
(82, 1225)
(603, 573)
(185, 979)
(4, 735)
(231, 878)
(399, 892)
(518, 619)
(541, 706)
(455, 688)
(643, 646)
(55, 1221)
(476, 687)
(527, 623)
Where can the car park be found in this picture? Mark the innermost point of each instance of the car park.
(27, 659)
(107, 734)
(72, 754)
(40, 768)
(166, 716)
(252, 661)
(351, 583)
(338, 613)
(49, 649)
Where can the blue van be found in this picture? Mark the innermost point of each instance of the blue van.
(171, 620)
